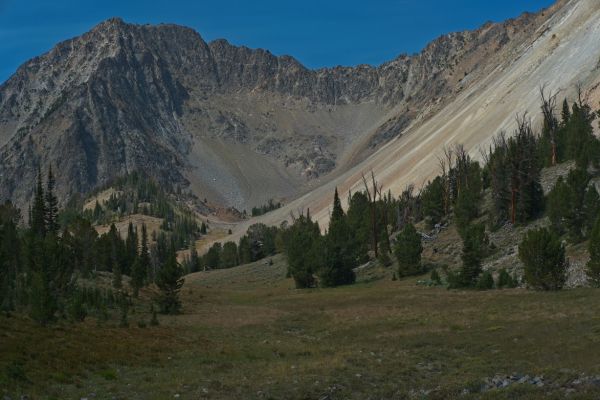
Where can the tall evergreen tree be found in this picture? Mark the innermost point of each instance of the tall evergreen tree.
(566, 112)
(145, 255)
(582, 145)
(304, 251)
(432, 202)
(169, 281)
(131, 247)
(339, 254)
(408, 249)
(137, 276)
(229, 255)
(577, 180)
(51, 209)
(359, 218)
(559, 205)
(472, 254)
(38, 210)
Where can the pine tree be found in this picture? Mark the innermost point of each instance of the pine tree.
(194, 259)
(593, 265)
(229, 255)
(432, 202)
(10, 256)
(465, 210)
(304, 251)
(169, 280)
(213, 257)
(505, 280)
(203, 228)
(97, 211)
(582, 145)
(559, 205)
(137, 276)
(359, 217)
(38, 211)
(131, 248)
(578, 181)
(144, 258)
(408, 251)
(339, 257)
(472, 254)
(51, 209)
(566, 113)
(543, 256)
(117, 277)
(486, 281)
(244, 250)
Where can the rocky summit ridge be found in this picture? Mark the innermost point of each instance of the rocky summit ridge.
(233, 124)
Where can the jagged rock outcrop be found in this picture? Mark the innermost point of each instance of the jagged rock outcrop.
(237, 124)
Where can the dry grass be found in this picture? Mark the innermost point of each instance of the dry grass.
(247, 333)
(152, 225)
(101, 198)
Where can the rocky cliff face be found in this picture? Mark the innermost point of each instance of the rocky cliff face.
(238, 124)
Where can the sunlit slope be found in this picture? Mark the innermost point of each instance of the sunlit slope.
(564, 53)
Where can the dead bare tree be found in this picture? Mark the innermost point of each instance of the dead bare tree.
(550, 121)
(372, 198)
(446, 163)
(579, 88)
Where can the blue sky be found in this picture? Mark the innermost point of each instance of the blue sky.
(317, 32)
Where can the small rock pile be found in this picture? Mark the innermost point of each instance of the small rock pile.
(504, 381)
(569, 386)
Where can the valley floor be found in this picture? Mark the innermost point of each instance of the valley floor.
(246, 333)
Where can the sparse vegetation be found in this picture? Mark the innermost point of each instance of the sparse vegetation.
(270, 206)
(543, 256)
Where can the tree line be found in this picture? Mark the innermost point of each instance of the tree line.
(41, 263)
(511, 174)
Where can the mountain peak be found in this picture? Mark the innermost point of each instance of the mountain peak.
(124, 97)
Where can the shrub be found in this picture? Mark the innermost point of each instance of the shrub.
(505, 280)
(486, 281)
(543, 256)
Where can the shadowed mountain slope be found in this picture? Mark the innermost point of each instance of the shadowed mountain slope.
(237, 125)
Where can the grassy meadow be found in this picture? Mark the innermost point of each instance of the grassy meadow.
(245, 333)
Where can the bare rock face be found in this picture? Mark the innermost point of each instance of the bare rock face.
(160, 99)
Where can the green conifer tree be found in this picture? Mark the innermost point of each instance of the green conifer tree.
(408, 249)
(169, 280)
(51, 208)
(229, 255)
(304, 251)
(543, 256)
(339, 254)
(472, 254)
(38, 210)
(559, 206)
(432, 202)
